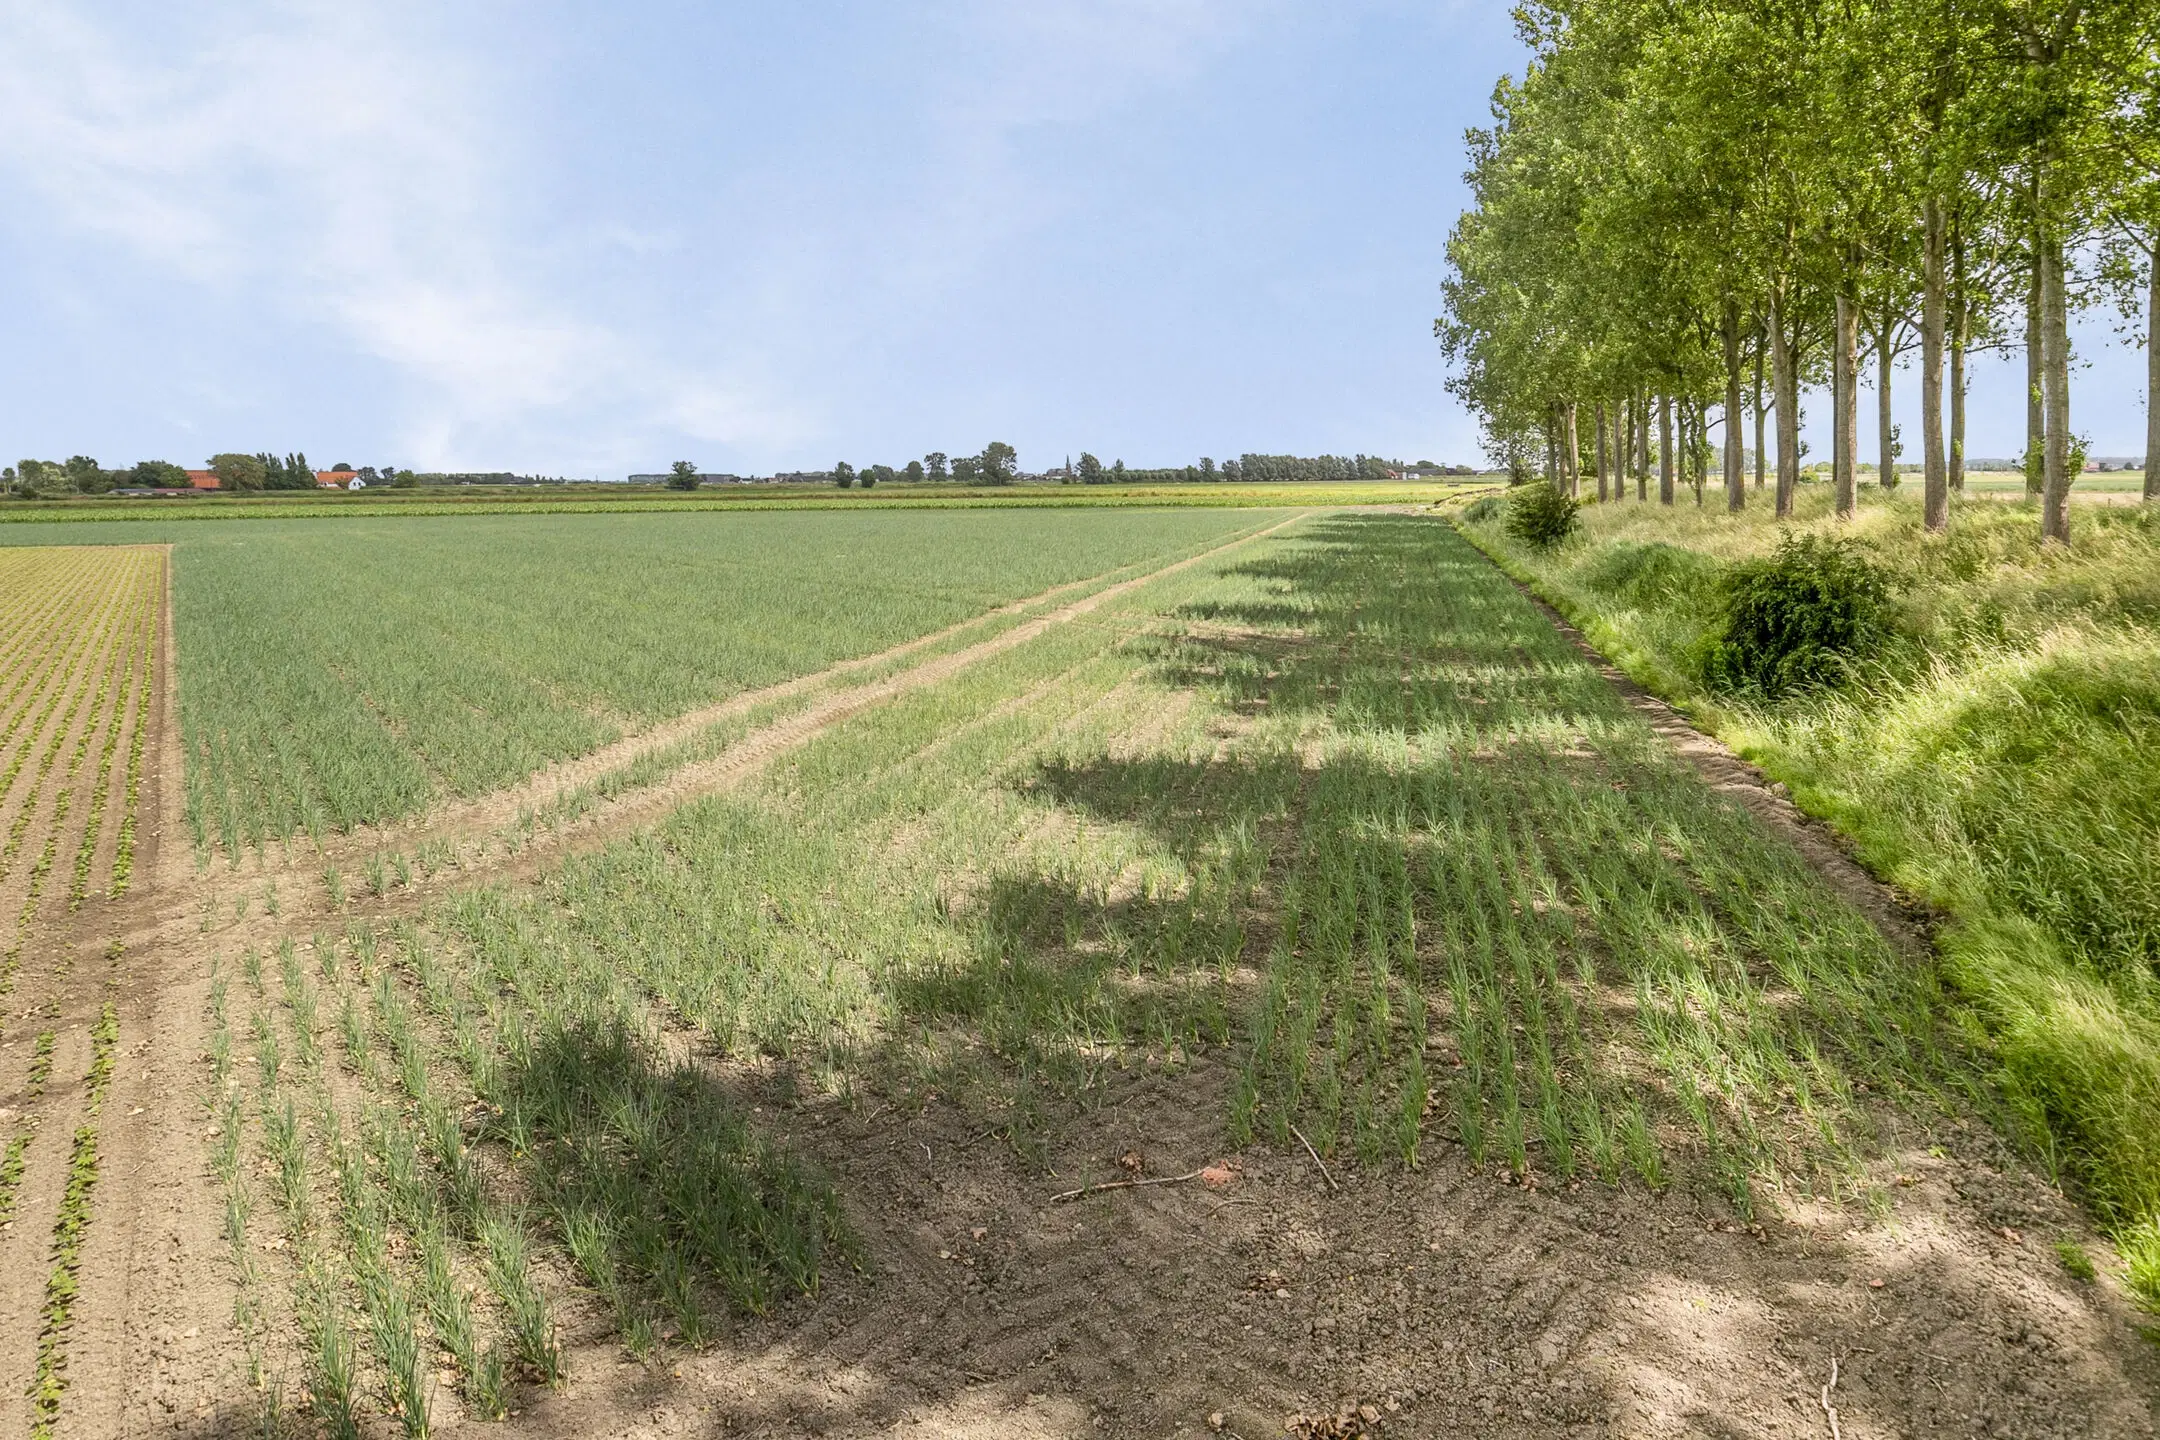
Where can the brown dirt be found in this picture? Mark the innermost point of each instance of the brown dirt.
(1448, 1301)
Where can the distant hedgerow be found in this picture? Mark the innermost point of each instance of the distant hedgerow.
(1796, 618)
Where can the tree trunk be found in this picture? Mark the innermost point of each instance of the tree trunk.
(2152, 374)
(1960, 331)
(1735, 462)
(1935, 506)
(1758, 413)
(1665, 450)
(1642, 445)
(1604, 456)
(2055, 385)
(1845, 448)
(2035, 369)
(1575, 456)
(1620, 432)
(1885, 426)
(1699, 450)
(1788, 411)
(1552, 454)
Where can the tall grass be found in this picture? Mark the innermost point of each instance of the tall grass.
(2001, 759)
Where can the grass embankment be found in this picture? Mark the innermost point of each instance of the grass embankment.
(1999, 757)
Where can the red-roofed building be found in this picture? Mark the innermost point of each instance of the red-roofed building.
(203, 479)
(339, 480)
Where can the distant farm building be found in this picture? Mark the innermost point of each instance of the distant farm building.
(339, 480)
(203, 479)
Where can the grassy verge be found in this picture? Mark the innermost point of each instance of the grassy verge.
(2000, 758)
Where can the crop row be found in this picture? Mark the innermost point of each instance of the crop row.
(427, 658)
(82, 684)
(1341, 816)
(1359, 818)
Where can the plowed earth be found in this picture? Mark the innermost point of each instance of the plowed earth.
(1276, 1296)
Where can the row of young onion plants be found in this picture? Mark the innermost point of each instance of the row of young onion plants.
(406, 1266)
(457, 1144)
(455, 656)
(916, 898)
(1513, 910)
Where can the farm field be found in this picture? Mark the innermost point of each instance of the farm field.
(616, 499)
(80, 670)
(321, 694)
(2105, 487)
(1282, 977)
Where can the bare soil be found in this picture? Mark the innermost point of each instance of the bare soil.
(1286, 1299)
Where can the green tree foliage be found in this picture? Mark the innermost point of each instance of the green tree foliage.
(843, 475)
(238, 472)
(1795, 618)
(683, 475)
(998, 464)
(1091, 469)
(85, 477)
(934, 465)
(914, 472)
(157, 475)
(1672, 201)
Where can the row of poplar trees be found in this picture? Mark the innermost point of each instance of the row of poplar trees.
(1682, 195)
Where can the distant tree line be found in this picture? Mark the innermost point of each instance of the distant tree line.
(1253, 469)
(998, 464)
(82, 475)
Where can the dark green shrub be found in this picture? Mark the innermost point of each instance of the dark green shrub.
(1540, 515)
(1796, 618)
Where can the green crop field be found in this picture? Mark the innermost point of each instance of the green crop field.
(624, 499)
(1338, 811)
(352, 671)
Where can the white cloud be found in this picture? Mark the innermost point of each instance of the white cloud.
(346, 164)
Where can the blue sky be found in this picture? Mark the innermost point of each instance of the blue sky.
(582, 239)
